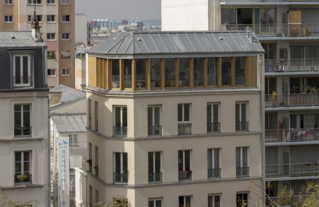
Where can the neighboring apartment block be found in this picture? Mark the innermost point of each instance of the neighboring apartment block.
(56, 18)
(24, 112)
(175, 119)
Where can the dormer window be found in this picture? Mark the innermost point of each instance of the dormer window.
(22, 70)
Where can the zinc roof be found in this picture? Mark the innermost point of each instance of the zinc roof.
(69, 123)
(69, 95)
(130, 43)
(18, 39)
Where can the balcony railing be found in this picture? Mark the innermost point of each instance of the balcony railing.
(120, 177)
(22, 131)
(120, 131)
(184, 129)
(293, 100)
(185, 175)
(213, 127)
(291, 135)
(155, 177)
(214, 173)
(242, 171)
(155, 130)
(293, 170)
(23, 179)
(295, 201)
(242, 126)
(292, 65)
(22, 80)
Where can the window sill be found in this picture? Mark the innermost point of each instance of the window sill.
(51, 40)
(34, 4)
(65, 22)
(65, 40)
(66, 75)
(8, 22)
(51, 76)
(65, 4)
(51, 22)
(51, 4)
(23, 184)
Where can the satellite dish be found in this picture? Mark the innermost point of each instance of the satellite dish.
(33, 18)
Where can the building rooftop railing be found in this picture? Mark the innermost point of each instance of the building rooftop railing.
(292, 65)
(291, 135)
(309, 168)
(292, 100)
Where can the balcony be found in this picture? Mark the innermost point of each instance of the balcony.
(242, 172)
(292, 65)
(22, 179)
(214, 173)
(293, 170)
(120, 131)
(184, 129)
(213, 127)
(22, 131)
(154, 130)
(22, 81)
(120, 177)
(242, 126)
(291, 135)
(155, 177)
(292, 100)
(185, 175)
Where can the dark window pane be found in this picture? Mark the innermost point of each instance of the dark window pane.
(150, 162)
(158, 203)
(226, 71)
(155, 73)
(186, 112)
(180, 160)
(215, 113)
(124, 116)
(117, 116)
(180, 112)
(209, 114)
(157, 162)
(118, 162)
(295, 85)
(25, 69)
(237, 113)
(140, 73)
(150, 116)
(187, 160)
(183, 72)
(127, 73)
(125, 162)
(209, 159)
(216, 158)
(211, 72)
(17, 156)
(243, 112)
(238, 157)
(115, 73)
(169, 72)
(17, 70)
(217, 201)
(151, 204)
(157, 116)
(198, 71)
(240, 71)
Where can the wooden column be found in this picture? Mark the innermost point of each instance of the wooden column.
(253, 78)
(163, 73)
(205, 72)
(177, 73)
(109, 74)
(133, 74)
(121, 74)
(219, 72)
(191, 72)
(97, 73)
(233, 72)
(102, 72)
(105, 74)
(148, 74)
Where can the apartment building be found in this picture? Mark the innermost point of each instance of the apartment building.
(24, 111)
(175, 119)
(57, 21)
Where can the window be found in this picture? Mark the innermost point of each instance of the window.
(184, 72)
(184, 125)
(65, 36)
(22, 167)
(96, 196)
(155, 73)
(22, 70)
(8, 19)
(65, 71)
(154, 167)
(213, 163)
(90, 157)
(73, 140)
(155, 203)
(214, 201)
(154, 120)
(241, 117)
(34, 1)
(270, 87)
(170, 72)
(198, 71)
(89, 114)
(51, 55)
(226, 71)
(65, 18)
(306, 55)
(213, 124)
(120, 167)
(242, 200)
(65, 54)
(65, 2)
(96, 116)
(211, 71)
(240, 71)
(22, 120)
(184, 201)
(242, 169)
(50, 18)
(115, 73)
(50, 1)
(8, 2)
(184, 165)
(270, 49)
(39, 18)
(50, 36)
(127, 73)
(120, 121)
(96, 167)
(51, 72)
(140, 73)
(267, 20)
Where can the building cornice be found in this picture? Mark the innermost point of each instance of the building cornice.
(21, 139)
(20, 187)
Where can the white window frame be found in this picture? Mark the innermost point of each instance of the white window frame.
(64, 73)
(212, 111)
(65, 36)
(190, 159)
(213, 199)
(8, 17)
(153, 114)
(50, 1)
(240, 107)
(22, 162)
(73, 140)
(154, 201)
(121, 161)
(8, 2)
(34, 2)
(241, 157)
(183, 118)
(121, 115)
(51, 35)
(21, 69)
(213, 157)
(49, 18)
(184, 202)
(65, 2)
(53, 69)
(161, 154)
(63, 18)
(22, 118)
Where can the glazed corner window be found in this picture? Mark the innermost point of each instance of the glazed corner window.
(22, 167)
(65, 18)
(156, 73)
(51, 72)
(184, 165)
(8, 19)
(214, 201)
(22, 70)
(65, 72)
(50, 1)
(127, 73)
(184, 72)
(65, 1)
(22, 119)
(34, 1)
(120, 121)
(50, 36)
(50, 18)
(65, 36)
(226, 71)
(140, 73)
(115, 73)
(198, 71)
(184, 201)
(8, 2)
(242, 169)
(65, 54)
(213, 124)
(241, 117)
(170, 72)
(211, 72)
(51, 55)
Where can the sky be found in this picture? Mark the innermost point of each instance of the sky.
(119, 9)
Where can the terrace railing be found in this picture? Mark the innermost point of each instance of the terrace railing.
(291, 135)
(293, 170)
(292, 65)
(293, 100)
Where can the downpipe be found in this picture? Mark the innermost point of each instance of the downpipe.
(261, 129)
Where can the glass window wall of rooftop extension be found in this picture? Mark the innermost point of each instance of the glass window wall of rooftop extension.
(173, 73)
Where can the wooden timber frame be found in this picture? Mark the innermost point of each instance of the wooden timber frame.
(100, 74)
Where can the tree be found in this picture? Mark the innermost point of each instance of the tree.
(117, 202)
(312, 194)
(5, 201)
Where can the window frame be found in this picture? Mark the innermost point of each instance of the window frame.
(65, 17)
(183, 115)
(66, 36)
(51, 35)
(51, 69)
(65, 69)
(154, 201)
(121, 163)
(22, 119)
(154, 163)
(121, 121)
(153, 126)
(153, 114)
(184, 161)
(240, 111)
(22, 162)
(241, 159)
(21, 55)
(242, 193)
(8, 2)
(31, 2)
(50, 17)
(213, 200)
(8, 19)
(65, 2)
(66, 57)
(213, 157)
(49, 2)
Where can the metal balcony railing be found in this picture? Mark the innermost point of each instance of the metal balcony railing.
(120, 177)
(184, 129)
(214, 173)
(155, 177)
(23, 179)
(242, 126)
(295, 201)
(293, 100)
(291, 135)
(22, 131)
(292, 65)
(22, 80)
(293, 170)
(155, 130)
(213, 127)
(185, 175)
(242, 171)
(120, 131)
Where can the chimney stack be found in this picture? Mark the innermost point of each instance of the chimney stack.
(36, 32)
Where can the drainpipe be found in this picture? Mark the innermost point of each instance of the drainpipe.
(261, 128)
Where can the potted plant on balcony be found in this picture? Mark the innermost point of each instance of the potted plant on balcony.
(274, 98)
(22, 177)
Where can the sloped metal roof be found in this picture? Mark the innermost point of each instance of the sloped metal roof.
(130, 43)
(69, 95)
(18, 39)
(69, 123)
